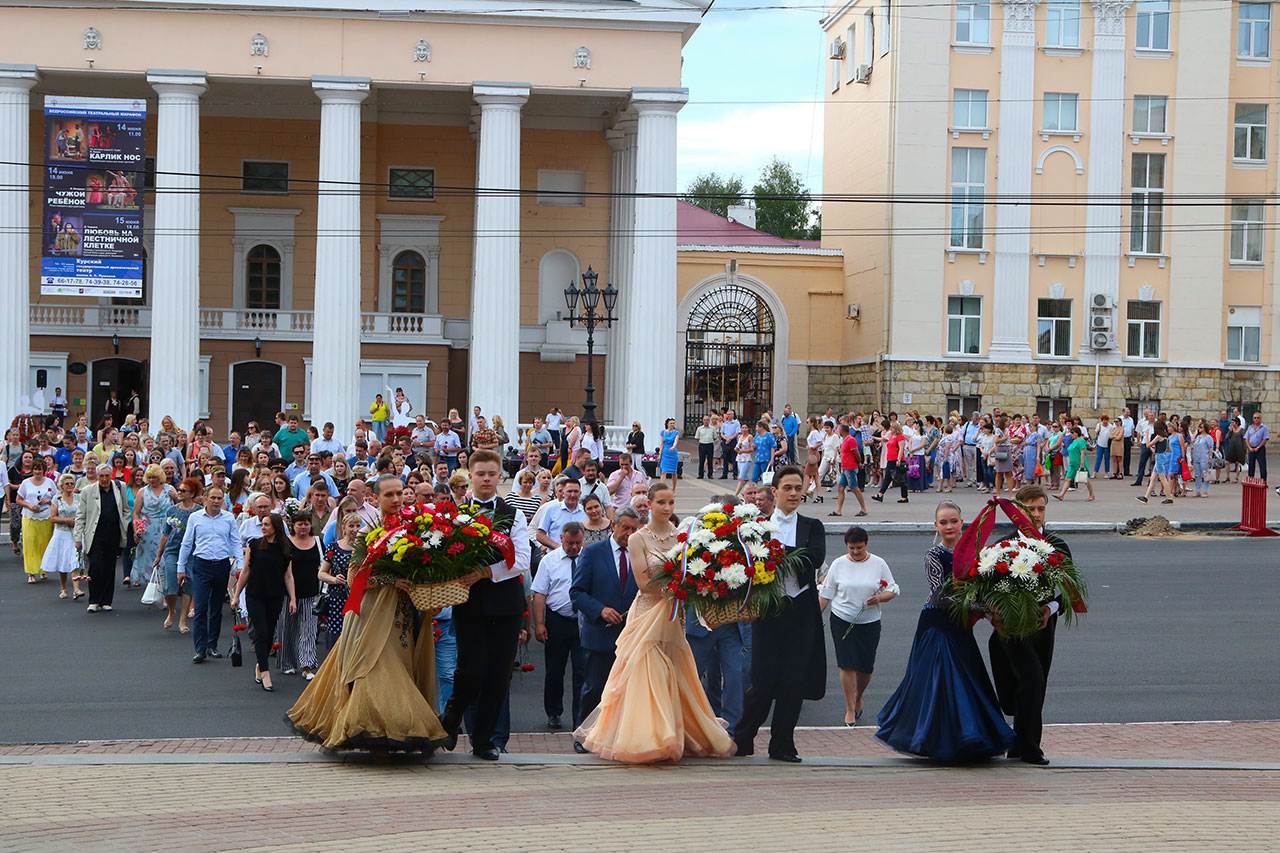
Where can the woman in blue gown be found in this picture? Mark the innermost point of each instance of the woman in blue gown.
(945, 708)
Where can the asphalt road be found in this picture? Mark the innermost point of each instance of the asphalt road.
(1178, 630)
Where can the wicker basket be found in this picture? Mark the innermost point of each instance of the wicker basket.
(435, 596)
(717, 613)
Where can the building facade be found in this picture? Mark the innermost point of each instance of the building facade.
(340, 200)
(1060, 204)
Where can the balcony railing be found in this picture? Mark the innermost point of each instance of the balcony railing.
(232, 323)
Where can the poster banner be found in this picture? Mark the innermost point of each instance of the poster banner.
(92, 233)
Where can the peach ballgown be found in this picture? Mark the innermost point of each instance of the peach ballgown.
(653, 707)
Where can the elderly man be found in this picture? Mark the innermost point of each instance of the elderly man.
(101, 523)
(555, 624)
(210, 548)
(259, 508)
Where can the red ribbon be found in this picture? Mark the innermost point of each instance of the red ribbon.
(360, 582)
(505, 546)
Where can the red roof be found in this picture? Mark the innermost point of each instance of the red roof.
(698, 227)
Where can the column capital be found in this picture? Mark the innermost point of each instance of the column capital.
(171, 81)
(19, 77)
(657, 100)
(1109, 16)
(1020, 15)
(487, 93)
(352, 90)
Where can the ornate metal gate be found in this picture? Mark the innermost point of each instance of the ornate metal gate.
(728, 355)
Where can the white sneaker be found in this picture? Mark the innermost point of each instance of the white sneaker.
(309, 675)
(106, 607)
(289, 672)
(93, 608)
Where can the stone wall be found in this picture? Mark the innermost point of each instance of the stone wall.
(1017, 387)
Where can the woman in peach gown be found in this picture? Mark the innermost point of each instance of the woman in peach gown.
(653, 707)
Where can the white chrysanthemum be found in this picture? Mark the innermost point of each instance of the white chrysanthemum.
(750, 530)
(711, 508)
(698, 565)
(701, 536)
(462, 518)
(746, 511)
(758, 550)
(1023, 566)
(769, 527)
(717, 546)
(735, 575)
(435, 539)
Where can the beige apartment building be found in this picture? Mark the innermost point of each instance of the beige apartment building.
(967, 139)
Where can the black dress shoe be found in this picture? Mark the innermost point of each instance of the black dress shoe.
(579, 748)
(553, 723)
(744, 751)
(451, 727)
(199, 658)
(214, 653)
(1037, 760)
(488, 753)
(790, 758)
(1013, 754)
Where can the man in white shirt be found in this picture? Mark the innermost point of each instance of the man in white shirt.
(1127, 425)
(969, 451)
(327, 442)
(592, 485)
(423, 437)
(556, 624)
(1143, 430)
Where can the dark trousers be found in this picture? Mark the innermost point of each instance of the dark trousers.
(208, 591)
(501, 729)
(486, 653)
(1258, 458)
(722, 662)
(728, 460)
(562, 648)
(1143, 458)
(781, 648)
(595, 674)
(1020, 670)
(707, 459)
(102, 574)
(791, 449)
(1128, 447)
(890, 472)
(264, 612)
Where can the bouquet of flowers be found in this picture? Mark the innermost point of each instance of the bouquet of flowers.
(726, 565)
(1014, 578)
(434, 546)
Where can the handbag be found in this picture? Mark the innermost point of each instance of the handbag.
(1082, 477)
(767, 476)
(1186, 471)
(152, 595)
(913, 466)
(1001, 453)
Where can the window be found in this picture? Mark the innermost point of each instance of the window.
(1146, 217)
(1144, 329)
(1062, 23)
(850, 54)
(964, 324)
(411, 183)
(885, 20)
(560, 188)
(1253, 39)
(969, 108)
(1244, 333)
(966, 406)
(262, 279)
(973, 23)
(1060, 111)
(1053, 327)
(409, 284)
(1153, 24)
(1246, 231)
(1149, 113)
(258, 176)
(968, 183)
(1251, 132)
(1048, 408)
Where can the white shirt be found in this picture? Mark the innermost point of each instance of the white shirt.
(319, 445)
(814, 441)
(831, 445)
(500, 571)
(1126, 423)
(848, 585)
(553, 421)
(787, 536)
(1144, 429)
(555, 576)
(599, 489)
(33, 494)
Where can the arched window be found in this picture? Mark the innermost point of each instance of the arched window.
(409, 284)
(262, 278)
(557, 269)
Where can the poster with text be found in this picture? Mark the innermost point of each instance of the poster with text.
(94, 151)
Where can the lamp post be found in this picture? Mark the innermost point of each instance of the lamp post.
(590, 295)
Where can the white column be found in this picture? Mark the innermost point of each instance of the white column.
(652, 381)
(175, 265)
(15, 240)
(335, 355)
(1010, 331)
(622, 141)
(493, 382)
(1103, 237)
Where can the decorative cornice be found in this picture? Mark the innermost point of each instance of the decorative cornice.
(1109, 16)
(1020, 16)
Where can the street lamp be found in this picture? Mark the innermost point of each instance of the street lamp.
(590, 295)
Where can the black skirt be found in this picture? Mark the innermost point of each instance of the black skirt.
(855, 644)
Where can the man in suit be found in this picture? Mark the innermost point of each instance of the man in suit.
(488, 624)
(101, 524)
(1020, 667)
(602, 591)
(789, 658)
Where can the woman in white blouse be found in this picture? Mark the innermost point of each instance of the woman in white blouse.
(857, 583)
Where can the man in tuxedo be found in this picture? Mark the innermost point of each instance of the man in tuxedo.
(602, 591)
(1020, 667)
(488, 624)
(789, 656)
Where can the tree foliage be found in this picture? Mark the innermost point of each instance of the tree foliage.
(783, 206)
(714, 193)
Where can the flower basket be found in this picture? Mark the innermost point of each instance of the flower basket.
(437, 596)
(717, 613)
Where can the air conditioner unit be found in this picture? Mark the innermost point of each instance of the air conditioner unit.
(1100, 323)
(1100, 340)
(852, 310)
(837, 49)
(862, 74)
(1100, 300)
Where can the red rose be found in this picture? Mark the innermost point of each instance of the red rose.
(456, 548)
(883, 583)
(526, 667)
(407, 512)
(973, 572)
(1056, 558)
(1039, 568)
(275, 647)
(683, 537)
(669, 565)
(727, 509)
(723, 531)
(1002, 567)
(750, 571)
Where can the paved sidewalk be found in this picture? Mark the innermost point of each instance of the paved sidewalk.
(299, 804)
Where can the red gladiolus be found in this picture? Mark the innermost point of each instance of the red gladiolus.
(1056, 558)
(526, 667)
(456, 548)
(275, 647)
(723, 530)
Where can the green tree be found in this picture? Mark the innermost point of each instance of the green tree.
(783, 208)
(714, 193)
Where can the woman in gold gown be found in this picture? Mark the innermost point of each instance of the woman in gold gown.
(377, 687)
(653, 707)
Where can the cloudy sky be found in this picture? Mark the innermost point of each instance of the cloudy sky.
(753, 60)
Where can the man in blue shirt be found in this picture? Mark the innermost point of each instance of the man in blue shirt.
(790, 428)
(210, 548)
(729, 429)
(62, 456)
(765, 445)
(302, 482)
(969, 452)
(540, 437)
(447, 446)
(560, 514)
